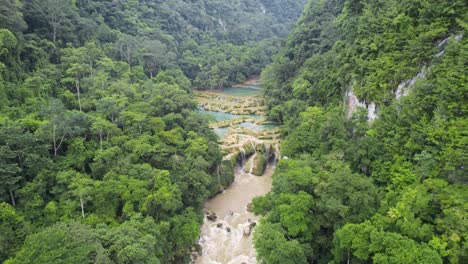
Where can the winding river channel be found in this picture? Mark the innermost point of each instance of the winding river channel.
(228, 238)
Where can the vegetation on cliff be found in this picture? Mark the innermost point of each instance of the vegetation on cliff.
(391, 190)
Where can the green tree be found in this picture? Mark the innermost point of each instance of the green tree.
(12, 230)
(57, 13)
(61, 124)
(273, 247)
(11, 16)
(61, 243)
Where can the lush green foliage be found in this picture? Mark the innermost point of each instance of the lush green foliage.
(389, 191)
(215, 43)
(103, 158)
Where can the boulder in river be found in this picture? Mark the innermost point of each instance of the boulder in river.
(211, 216)
(194, 256)
(219, 225)
(249, 207)
(197, 251)
(259, 163)
(228, 229)
(248, 229)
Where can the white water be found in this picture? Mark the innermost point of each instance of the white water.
(252, 159)
(219, 245)
(252, 163)
(242, 152)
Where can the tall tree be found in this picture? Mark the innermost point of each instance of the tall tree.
(57, 13)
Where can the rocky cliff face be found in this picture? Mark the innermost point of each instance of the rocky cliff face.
(352, 102)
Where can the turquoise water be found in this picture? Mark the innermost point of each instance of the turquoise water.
(254, 89)
(218, 116)
(256, 127)
(221, 132)
(243, 90)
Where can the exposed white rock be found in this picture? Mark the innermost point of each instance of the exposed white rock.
(404, 87)
(354, 103)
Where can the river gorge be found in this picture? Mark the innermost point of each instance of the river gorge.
(252, 145)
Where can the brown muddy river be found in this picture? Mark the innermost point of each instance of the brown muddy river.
(234, 247)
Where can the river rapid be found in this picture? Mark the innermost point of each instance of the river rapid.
(228, 238)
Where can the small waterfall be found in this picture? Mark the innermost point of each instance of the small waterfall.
(242, 152)
(252, 160)
(253, 146)
(252, 163)
(277, 154)
(268, 152)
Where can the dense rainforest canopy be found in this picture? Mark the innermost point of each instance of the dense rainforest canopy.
(103, 158)
(387, 182)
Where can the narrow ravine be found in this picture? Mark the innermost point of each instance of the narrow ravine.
(226, 234)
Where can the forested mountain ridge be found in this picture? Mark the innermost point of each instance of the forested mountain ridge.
(358, 190)
(215, 43)
(103, 158)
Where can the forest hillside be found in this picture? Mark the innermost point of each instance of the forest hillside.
(373, 98)
(103, 158)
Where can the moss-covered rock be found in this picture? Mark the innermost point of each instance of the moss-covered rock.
(260, 163)
(249, 149)
(224, 177)
(227, 172)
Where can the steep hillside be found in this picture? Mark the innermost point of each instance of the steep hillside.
(215, 43)
(373, 97)
(103, 158)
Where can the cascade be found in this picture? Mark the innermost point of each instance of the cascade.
(226, 234)
(252, 159)
(277, 154)
(253, 146)
(242, 152)
(252, 163)
(268, 152)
